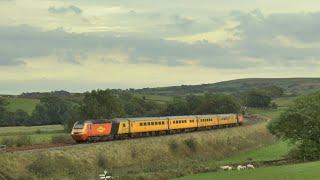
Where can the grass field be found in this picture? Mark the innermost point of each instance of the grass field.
(278, 150)
(284, 101)
(37, 134)
(24, 104)
(156, 98)
(309, 171)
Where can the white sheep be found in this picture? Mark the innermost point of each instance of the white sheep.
(226, 168)
(250, 166)
(240, 167)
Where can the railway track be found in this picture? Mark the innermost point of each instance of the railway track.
(249, 121)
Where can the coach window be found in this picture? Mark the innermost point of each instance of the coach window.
(162, 122)
(144, 123)
(152, 123)
(141, 124)
(124, 125)
(148, 123)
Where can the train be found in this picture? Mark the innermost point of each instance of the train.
(122, 128)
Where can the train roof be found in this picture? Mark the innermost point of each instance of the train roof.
(169, 117)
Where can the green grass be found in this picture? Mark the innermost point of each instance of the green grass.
(270, 113)
(27, 105)
(37, 134)
(156, 98)
(23, 130)
(268, 152)
(308, 171)
(143, 158)
(284, 101)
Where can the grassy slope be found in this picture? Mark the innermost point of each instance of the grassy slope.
(308, 171)
(27, 105)
(291, 86)
(148, 157)
(268, 152)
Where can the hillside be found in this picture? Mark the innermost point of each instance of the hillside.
(292, 86)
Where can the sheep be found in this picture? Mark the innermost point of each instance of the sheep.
(250, 166)
(240, 167)
(226, 168)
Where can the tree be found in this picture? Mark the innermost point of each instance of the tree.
(101, 104)
(218, 104)
(273, 91)
(301, 125)
(75, 116)
(17, 118)
(257, 98)
(51, 110)
(178, 106)
(2, 109)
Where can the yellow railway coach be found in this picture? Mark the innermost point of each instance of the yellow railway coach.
(182, 122)
(145, 126)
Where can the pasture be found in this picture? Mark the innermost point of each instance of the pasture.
(37, 134)
(308, 171)
(24, 104)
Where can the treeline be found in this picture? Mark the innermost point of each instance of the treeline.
(96, 104)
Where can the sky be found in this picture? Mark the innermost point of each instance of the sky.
(80, 45)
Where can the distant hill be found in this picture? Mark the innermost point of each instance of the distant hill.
(291, 86)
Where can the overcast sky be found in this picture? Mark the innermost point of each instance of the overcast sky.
(80, 45)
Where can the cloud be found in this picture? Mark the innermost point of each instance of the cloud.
(21, 42)
(262, 41)
(65, 9)
(290, 39)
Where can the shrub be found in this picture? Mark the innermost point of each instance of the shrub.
(23, 141)
(102, 161)
(191, 144)
(174, 146)
(8, 141)
(57, 139)
(38, 131)
(46, 165)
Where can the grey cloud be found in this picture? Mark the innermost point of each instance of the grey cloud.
(63, 10)
(258, 34)
(21, 42)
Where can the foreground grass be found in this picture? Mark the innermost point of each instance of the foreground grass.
(278, 150)
(146, 158)
(27, 105)
(308, 171)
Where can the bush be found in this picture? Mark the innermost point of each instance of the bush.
(102, 161)
(191, 144)
(174, 146)
(45, 166)
(8, 141)
(300, 125)
(57, 139)
(23, 141)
